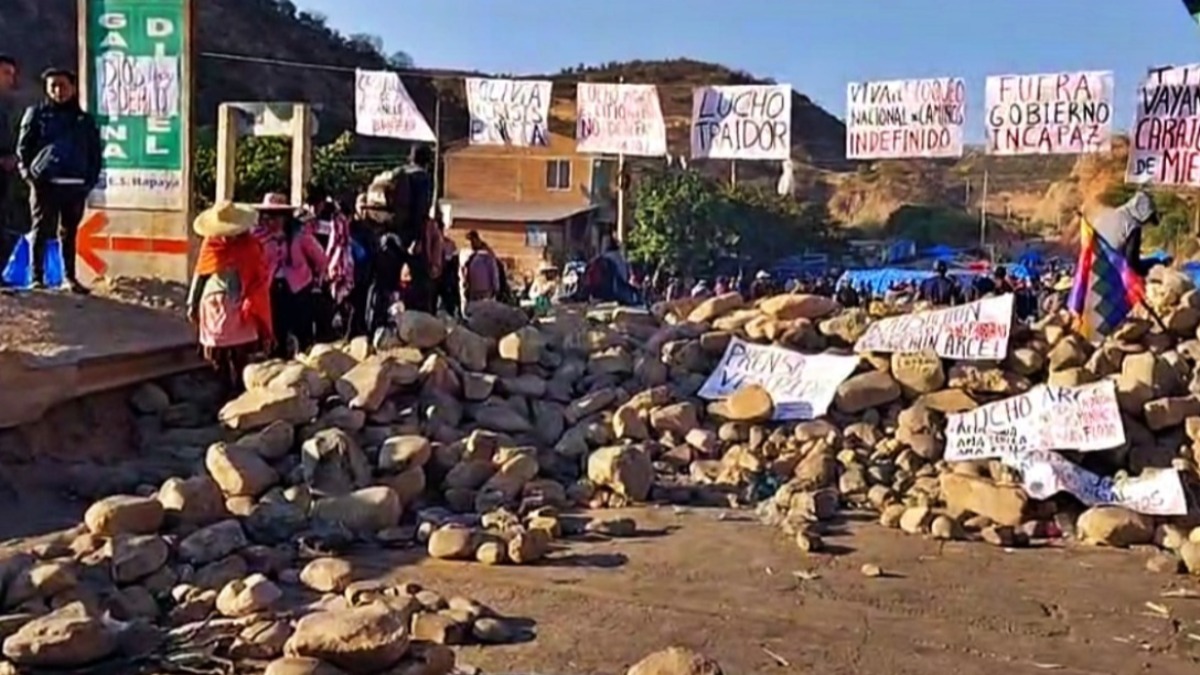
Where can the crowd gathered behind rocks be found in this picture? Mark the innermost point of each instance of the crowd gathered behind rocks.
(478, 440)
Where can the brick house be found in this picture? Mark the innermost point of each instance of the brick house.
(529, 204)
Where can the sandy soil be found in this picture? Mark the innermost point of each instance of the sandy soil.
(728, 588)
(61, 327)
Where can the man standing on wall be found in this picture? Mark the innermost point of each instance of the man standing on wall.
(8, 154)
(60, 156)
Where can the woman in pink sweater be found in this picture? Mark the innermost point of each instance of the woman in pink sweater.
(296, 266)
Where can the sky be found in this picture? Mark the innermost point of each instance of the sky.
(817, 46)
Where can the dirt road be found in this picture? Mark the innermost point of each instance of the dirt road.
(727, 588)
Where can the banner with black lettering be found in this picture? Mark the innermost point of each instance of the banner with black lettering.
(975, 331)
(801, 385)
(905, 118)
(1084, 418)
(1162, 149)
(1050, 113)
(742, 122)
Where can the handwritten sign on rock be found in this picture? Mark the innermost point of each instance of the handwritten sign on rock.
(509, 112)
(620, 119)
(975, 331)
(1045, 473)
(905, 118)
(1049, 114)
(801, 385)
(1163, 148)
(742, 122)
(382, 107)
(1084, 418)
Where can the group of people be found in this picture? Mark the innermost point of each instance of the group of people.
(56, 151)
(277, 278)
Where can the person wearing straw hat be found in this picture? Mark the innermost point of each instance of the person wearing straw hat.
(296, 266)
(230, 300)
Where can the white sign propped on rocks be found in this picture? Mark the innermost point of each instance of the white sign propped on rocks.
(1045, 473)
(509, 112)
(975, 331)
(742, 122)
(801, 385)
(382, 107)
(1084, 418)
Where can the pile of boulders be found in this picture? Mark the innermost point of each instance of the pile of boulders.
(473, 440)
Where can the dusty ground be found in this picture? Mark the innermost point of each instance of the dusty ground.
(60, 327)
(727, 588)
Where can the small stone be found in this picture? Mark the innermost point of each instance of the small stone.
(871, 570)
(248, 596)
(493, 631)
(124, 514)
(915, 519)
(808, 543)
(452, 543)
(612, 527)
(438, 628)
(943, 527)
(492, 553)
(527, 547)
(327, 575)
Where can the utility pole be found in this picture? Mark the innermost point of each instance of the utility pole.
(621, 185)
(733, 173)
(983, 212)
(437, 151)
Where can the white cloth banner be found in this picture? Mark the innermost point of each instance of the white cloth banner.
(905, 118)
(509, 112)
(801, 385)
(382, 107)
(619, 119)
(1049, 113)
(1045, 473)
(975, 331)
(1084, 418)
(742, 122)
(1162, 150)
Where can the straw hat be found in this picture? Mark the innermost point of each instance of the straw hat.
(273, 202)
(546, 266)
(225, 219)
(1063, 284)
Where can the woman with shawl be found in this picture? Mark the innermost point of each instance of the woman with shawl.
(230, 296)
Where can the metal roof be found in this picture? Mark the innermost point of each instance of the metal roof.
(513, 211)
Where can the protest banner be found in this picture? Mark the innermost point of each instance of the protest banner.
(801, 385)
(905, 118)
(1084, 418)
(619, 119)
(1045, 473)
(509, 112)
(1164, 149)
(975, 331)
(382, 107)
(1049, 114)
(742, 122)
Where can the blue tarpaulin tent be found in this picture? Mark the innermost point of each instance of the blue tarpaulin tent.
(880, 280)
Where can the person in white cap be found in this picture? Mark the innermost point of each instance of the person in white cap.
(1122, 228)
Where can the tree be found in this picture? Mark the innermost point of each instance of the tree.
(401, 60)
(263, 165)
(365, 42)
(681, 222)
(688, 224)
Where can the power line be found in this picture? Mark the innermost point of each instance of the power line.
(426, 74)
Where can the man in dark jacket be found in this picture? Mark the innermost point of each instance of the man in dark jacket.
(8, 154)
(60, 157)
